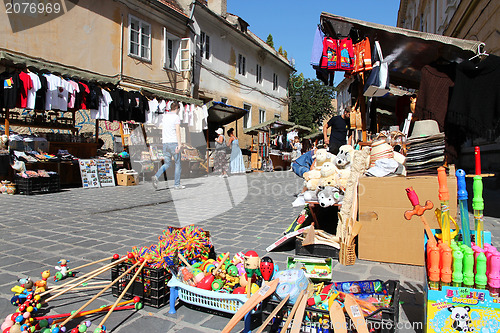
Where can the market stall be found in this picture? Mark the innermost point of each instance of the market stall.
(264, 157)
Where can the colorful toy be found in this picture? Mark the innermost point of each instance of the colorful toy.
(444, 197)
(462, 197)
(419, 211)
(63, 270)
(478, 206)
(252, 263)
(266, 268)
(41, 285)
(206, 282)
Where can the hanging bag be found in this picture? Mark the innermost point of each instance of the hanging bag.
(377, 84)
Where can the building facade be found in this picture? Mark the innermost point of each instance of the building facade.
(135, 44)
(234, 66)
(465, 19)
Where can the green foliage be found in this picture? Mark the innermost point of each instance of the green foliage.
(269, 41)
(280, 50)
(310, 101)
(285, 54)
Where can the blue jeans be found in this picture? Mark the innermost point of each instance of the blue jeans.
(299, 169)
(168, 152)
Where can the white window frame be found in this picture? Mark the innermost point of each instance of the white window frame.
(181, 51)
(262, 116)
(275, 81)
(141, 24)
(242, 70)
(258, 74)
(205, 46)
(247, 123)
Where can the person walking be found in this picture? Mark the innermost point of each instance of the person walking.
(220, 159)
(338, 134)
(171, 138)
(236, 164)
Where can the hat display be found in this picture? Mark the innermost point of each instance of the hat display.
(219, 131)
(425, 148)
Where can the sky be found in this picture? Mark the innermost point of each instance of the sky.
(292, 23)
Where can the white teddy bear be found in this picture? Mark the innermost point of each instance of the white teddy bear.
(343, 162)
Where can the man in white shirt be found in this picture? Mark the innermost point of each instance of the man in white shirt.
(171, 137)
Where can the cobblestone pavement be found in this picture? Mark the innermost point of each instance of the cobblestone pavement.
(241, 213)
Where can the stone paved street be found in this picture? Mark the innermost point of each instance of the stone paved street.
(241, 213)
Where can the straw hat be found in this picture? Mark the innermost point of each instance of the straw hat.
(424, 128)
(380, 149)
(219, 131)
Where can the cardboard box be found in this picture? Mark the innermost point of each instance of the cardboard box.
(390, 237)
(127, 179)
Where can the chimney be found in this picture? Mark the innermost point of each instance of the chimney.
(218, 6)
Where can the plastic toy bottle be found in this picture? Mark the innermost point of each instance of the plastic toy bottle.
(434, 270)
(494, 276)
(468, 268)
(462, 197)
(444, 197)
(478, 206)
(481, 278)
(446, 262)
(457, 276)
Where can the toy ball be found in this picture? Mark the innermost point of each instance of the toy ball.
(138, 306)
(16, 328)
(116, 256)
(22, 307)
(45, 330)
(26, 315)
(136, 299)
(241, 269)
(43, 323)
(19, 318)
(239, 290)
(37, 297)
(74, 330)
(82, 328)
(55, 330)
(29, 309)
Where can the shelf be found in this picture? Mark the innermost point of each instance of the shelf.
(17, 122)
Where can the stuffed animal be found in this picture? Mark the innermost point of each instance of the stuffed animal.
(329, 196)
(4, 141)
(322, 156)
(310, 196)
(343, 162)
(329, 175)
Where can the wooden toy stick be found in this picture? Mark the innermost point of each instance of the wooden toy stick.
(131, 282)
(86, 313)
(74, 281)
(337, 317)
(354, 311)
(94, 286)
(97, 272)
(265, 291)
(299, 314)
(184, 261)
(100, 293)
(81, 314)
(292, 312)
(92, 263)
(273, 313)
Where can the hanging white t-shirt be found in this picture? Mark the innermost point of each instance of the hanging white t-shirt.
(52, 81)
(153, 109)
(32, 92)
(103, 111)
(169, 123)
(60, 97)
(204, 109)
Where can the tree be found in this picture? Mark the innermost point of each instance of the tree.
(310, 101)
(269, 41)
(285, 54)
(280, 50)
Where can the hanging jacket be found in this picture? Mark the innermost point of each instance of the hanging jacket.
(329, 58)
(346, 52)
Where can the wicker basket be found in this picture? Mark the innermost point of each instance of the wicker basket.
(347, 254)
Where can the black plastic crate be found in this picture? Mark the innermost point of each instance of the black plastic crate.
(35, 185)
(387, 323)
(150, 285)
(316, 250)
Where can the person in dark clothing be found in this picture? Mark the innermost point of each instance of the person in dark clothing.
(338, 134)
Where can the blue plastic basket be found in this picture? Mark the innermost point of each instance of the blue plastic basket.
(214, 300)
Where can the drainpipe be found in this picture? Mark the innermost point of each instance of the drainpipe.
(121, 49)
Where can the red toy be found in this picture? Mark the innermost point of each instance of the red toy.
(266, 268)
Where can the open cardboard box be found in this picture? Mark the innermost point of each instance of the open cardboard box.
(390, 237)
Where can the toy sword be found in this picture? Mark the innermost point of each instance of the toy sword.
(462, 197)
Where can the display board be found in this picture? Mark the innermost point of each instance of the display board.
(105, 172)
(96, 173)
(88, 172)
